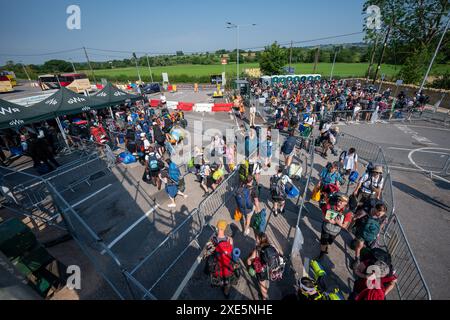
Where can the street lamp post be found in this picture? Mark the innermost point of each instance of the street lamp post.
(434, 56)
(237, 26)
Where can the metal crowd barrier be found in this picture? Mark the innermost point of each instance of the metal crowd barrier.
(181, 239)
(411, 284)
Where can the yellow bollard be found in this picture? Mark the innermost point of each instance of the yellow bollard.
(195, 87)
(174, 88)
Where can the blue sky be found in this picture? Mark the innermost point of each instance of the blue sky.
(35, 27)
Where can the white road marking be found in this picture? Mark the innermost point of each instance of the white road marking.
(410, 149)
(420, 150)
(414, 135)
(123, 234)
(90, 196)
(424, 127)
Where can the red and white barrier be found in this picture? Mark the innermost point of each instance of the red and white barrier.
(203, 107)
(185, 106)
(222, 107)
(154, 103)
(196, 107)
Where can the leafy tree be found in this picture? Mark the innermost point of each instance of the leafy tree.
(415, 67)
(442, 82)
(272, 60)
(57, 66)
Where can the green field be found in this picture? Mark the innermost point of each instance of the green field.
(201, 73)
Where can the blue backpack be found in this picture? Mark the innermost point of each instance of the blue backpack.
(243, 200)
(353, 176)
(289, 145)
(174, 172)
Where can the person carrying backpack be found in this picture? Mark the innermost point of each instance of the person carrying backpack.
(336, 217)
(219, 259)
(246, 197)
(288, 148)
(172, 179)
(376, 276)
(153, 167)
(370, 184)
(330, 178)
(349, 161)
(266, 263)
(278, 192)
(368, 225)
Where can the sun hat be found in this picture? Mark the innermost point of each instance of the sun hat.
(378, 169)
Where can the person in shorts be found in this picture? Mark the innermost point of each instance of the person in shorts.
(336, 217)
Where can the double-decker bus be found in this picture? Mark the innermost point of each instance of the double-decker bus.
(77, 82)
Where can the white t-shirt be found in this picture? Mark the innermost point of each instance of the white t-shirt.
(252, 110)
(147, 156)
(350, 161)
(146, 144)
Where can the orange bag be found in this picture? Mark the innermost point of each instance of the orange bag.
(237, 214)
(316, 194)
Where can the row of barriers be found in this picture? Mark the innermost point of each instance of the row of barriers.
(191, 106)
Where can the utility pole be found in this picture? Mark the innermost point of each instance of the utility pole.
(89, 63)
(149, 68)
(73, 66)
(290, 57)
(137, 68)
(372, 58)
(434, 56)
(237, 75)
(316, 59)
(334, 61)
(382, 54)
(25, 70)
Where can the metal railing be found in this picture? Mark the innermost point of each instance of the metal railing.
(156, 276)
(411, 284)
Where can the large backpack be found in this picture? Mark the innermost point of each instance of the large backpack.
(288, 145)
(258, 222)
(243, 200)
(370, 229)
(153, 162)
(243, 171)
(174, 172)
(273, 263)
(222, 263)
(275, 189)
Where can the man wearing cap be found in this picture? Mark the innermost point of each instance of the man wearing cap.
(336, 217)
(370, 185)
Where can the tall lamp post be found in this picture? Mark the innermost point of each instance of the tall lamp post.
(237, 26)
(434, 56)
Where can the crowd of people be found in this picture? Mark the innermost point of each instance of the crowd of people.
(361, 212)
(152, 134)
